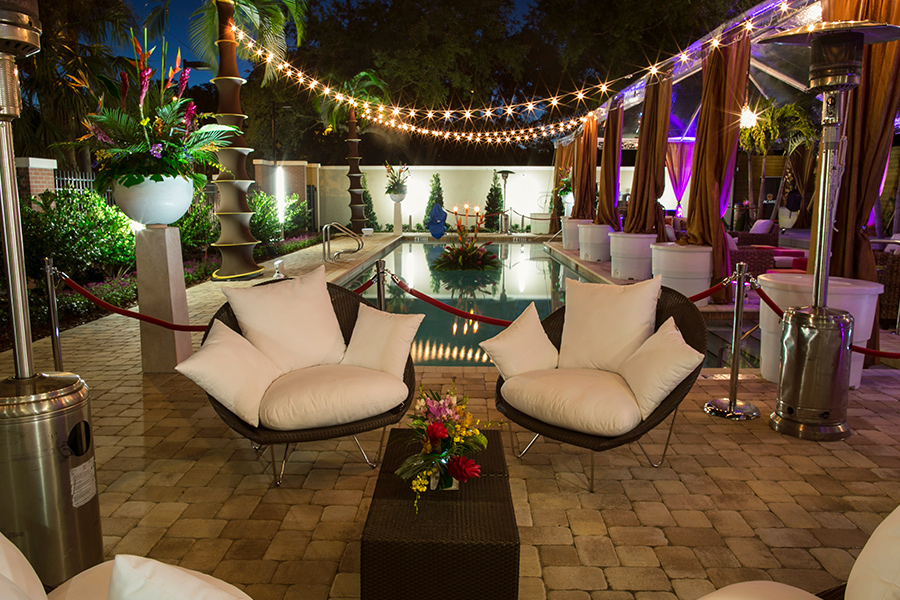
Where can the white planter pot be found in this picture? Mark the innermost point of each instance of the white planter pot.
(631, 256)
(570, 232)
(687, 269)
(155, 202)
(540, 223)
(857, 297)
(398, 197)
(593, 242)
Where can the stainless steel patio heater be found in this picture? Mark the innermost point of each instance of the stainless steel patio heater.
(48, 495)
(815, 340)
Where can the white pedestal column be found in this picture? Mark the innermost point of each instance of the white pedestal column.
(161, 294)
(398, 219)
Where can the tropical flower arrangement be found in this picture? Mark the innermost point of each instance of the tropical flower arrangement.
(396, 178)
(466, 254)
(152, 138)
(446, 430)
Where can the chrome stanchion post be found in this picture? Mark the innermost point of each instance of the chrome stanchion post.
(54, 314)
(379, 283)
(730, 407)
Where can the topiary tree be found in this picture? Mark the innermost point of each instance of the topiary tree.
(493, 205)
(436, 196)
(371, 217)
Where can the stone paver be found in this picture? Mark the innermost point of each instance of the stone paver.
(734, 501)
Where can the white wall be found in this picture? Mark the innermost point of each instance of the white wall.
(528, 190)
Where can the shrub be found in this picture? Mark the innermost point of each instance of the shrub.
(199, 228)
(264, 225)
(297, 216)
(85, 237)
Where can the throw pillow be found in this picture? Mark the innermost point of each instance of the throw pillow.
(876, 572)
(15, 567)
(658, 366)
(732, 242)
(10, 591)
(292, 321)
(522, 347)
(137, 578)
(762, 226)
(381, 340)
(231, 370)
(605, 324)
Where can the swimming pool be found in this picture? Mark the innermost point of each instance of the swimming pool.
(528, 274)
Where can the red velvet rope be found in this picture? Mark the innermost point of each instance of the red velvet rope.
(364, 286)
(769, 302)
(450, 309)
(708, 292)
(533, 218)
(129, 313)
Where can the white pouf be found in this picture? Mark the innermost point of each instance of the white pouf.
(857, 297)
(687, 269)
(631, 256)
(593, 241)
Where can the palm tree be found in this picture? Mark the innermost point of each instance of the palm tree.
(267, 20)
(759, 139)
(367, 91)
(796, 131)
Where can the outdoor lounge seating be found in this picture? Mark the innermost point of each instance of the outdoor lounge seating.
(338, 392)
(875, 574)
(670, 305)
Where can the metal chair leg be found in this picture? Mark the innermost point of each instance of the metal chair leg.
(514, 446)
(665, 447)
(279, 475)
(372, 463)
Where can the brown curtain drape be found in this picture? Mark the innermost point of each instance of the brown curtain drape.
(563, 163)
(585, 188)
(803, 166)
(645, 215)
(610, 166)
(725, 71)
(869, 127)
(679, 162)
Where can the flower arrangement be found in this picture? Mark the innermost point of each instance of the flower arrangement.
(466, 254)
(152, 139)
(396, 178)
(445, 429)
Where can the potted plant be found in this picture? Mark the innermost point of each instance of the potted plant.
(396, 181)
(148, 151)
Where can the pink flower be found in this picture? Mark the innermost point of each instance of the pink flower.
(100, 135)
(144, 83)
(183, 80)
(462, 469)
(190, 111)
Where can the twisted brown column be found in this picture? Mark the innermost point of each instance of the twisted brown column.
(235, 242)
(357, 204)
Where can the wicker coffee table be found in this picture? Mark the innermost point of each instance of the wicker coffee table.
(462, 544)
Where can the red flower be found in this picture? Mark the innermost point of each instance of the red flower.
(437, 431)
(462, 469)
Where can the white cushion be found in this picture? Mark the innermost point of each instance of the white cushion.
(605, 324)
(292, 321)
(232, 371)
(762, 226)
(670, 233)
(10, 591)
(658, 366)
(893, 247)
(731, 241)
(381, 340)
(136, 578)
(584, 400)
(759, 590)
(522, 347)
(876, 573)
(15, 567)
(329, 395)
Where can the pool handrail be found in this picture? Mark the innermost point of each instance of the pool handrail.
(326, 241)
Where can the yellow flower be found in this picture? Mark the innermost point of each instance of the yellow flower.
(145, 121)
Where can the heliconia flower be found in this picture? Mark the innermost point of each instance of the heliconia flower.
(462, 469)
(123, 78)
(144, 83)
(183, 80)
(190, 111)
(156, 150)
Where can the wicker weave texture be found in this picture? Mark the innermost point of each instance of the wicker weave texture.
(346, 306)
(471, 531)
(745, 238)
(693, 329)
(888, 265)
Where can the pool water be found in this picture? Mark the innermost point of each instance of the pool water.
(528, 274)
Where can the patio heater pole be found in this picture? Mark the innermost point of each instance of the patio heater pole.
(815, 340)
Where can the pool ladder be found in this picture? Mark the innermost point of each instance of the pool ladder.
(326, 241)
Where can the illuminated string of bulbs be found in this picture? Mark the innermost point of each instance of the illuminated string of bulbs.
(406, 118)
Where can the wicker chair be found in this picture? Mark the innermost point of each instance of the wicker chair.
(693, 329)
(346, 305)
(759, 260)
(888, 266)
(745, 238)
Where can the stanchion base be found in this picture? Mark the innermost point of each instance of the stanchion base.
(721, 407)
(809, 431)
